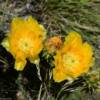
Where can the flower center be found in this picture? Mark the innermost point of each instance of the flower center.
(25, 44)
(70, 60)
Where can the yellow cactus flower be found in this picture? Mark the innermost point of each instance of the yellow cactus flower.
(25, 40)
(73, 59)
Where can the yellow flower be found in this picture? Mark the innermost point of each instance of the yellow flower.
(73, 59)
(25, 40)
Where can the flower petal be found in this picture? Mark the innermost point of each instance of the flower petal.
(58, 76)
(5, 43)
(20, 64)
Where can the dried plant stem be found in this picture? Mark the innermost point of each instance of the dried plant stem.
(39, 94)
(76, 24)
